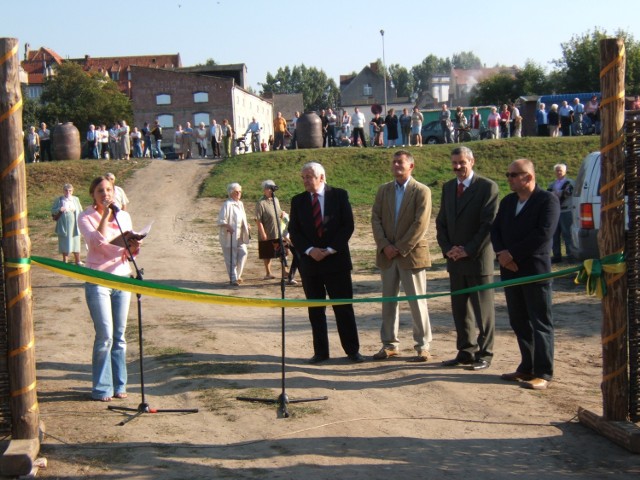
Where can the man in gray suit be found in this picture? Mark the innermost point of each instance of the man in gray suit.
(400, 221)
(467, 209)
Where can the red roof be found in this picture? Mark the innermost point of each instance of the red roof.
(37, 61)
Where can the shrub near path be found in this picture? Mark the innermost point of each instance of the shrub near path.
(382, 420)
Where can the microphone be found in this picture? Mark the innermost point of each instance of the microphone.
(114, 207)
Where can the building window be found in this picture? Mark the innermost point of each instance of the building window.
(165, 120)
(201, 117)
(115, 76)
(200, 97)
(367, 90)
(163, 99)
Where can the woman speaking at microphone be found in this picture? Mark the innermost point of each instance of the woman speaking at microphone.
(108, 307)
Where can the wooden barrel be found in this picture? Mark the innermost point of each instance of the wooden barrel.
(309, 131)
(65, 140)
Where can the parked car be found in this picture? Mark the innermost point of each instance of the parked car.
(586, 209)
(432, 133)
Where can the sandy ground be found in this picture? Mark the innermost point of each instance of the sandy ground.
(381, 420)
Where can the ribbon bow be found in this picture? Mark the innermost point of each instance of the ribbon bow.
(591, 273)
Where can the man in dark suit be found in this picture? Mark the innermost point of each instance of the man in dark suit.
(468, 206)
(521, 236)
(320, 226)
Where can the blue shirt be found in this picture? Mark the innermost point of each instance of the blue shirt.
(541, 117)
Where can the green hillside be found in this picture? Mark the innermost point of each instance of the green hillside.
(361, 170)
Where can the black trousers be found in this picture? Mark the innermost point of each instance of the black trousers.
(529, 308)
(335, 285)
(358, 133)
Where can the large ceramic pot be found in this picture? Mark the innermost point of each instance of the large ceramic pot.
(65, 140)
(309, 131)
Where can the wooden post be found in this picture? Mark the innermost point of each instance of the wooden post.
(16, 247)
(615, 384)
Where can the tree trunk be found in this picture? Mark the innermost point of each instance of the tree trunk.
(16, 247)
(611, 239)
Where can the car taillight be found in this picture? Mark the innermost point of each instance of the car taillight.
(586, 216)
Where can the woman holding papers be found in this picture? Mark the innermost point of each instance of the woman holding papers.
(108, 307)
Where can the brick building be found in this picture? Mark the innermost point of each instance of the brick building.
(175, 97)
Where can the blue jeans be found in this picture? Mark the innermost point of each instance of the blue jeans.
(109, 309)
(159, 148)
(563, 230)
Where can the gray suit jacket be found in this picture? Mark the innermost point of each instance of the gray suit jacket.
(466, 221)
(409, 235)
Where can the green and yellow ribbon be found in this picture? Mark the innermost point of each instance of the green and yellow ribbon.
(591, 273)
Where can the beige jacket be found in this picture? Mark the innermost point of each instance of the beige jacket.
(409, 235)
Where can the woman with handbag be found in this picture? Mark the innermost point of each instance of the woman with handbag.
(65, 211)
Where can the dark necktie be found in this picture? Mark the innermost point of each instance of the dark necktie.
(460, 190)
(317, 214)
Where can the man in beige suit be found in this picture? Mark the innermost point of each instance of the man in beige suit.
(400, 221)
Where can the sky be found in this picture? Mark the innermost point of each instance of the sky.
(338, 38)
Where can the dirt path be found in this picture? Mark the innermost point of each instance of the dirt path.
(382, 420)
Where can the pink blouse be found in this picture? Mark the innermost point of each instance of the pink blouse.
(102, 254)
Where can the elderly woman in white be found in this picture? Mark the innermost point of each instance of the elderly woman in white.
(234, 233)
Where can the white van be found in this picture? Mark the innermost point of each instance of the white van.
(586, 208)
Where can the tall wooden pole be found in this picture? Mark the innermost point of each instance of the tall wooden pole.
(615, 384)
(16, 247)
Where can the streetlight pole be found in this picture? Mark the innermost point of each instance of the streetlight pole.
(384, 73)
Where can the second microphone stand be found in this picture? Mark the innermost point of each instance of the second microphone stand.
(144, 406)
(283, 399)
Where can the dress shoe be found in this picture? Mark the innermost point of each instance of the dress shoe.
(318, 359)
(479, 365)
(556, 259)
(456, 363)
(516, 376)
(385, 353)
(535, 384)
(422, 356)
(356, 357)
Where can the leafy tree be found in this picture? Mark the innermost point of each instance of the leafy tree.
(30, 111)
(318, 91)
(209, 63)
(402, 80)
(532, 80)
(579, 68)
(466, 61)
(430, 66)
(73, 95)
(495, 90)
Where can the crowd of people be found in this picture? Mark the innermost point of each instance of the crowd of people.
(473, 230)
(522, 232)
(120, 142)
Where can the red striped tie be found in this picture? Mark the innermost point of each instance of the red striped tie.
(317, 214)
(460, 190)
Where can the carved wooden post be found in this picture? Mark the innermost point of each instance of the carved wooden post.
(16, 247)
(615, 385)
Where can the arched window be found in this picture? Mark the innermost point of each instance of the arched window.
(165, 120)
(201, 117)
(163, 99)
(200, 97)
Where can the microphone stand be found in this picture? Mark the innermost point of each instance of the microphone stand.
(144, 406)
(283, 399)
